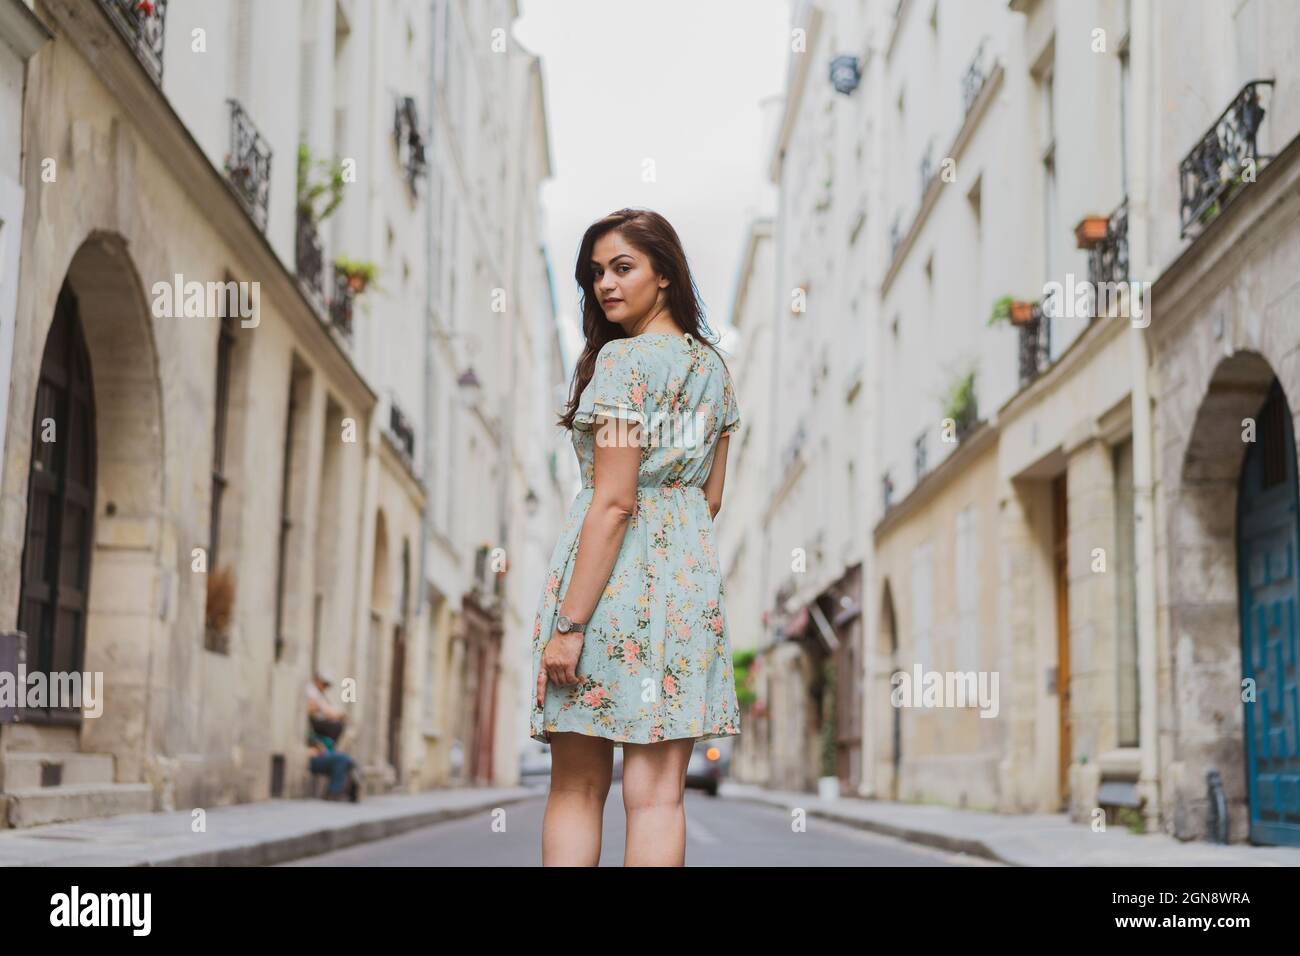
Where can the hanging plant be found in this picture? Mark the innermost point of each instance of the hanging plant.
(328, 187)
(959, 403)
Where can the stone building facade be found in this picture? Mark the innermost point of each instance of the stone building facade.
(207, 496)
(1059, 490)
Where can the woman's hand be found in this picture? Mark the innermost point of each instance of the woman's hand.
(559, 662)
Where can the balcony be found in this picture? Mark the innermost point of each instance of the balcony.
(1224, 161)
(1036, 343)
(248, 164)
(409, 141)
(402, 430)
(973, 80)
(1107, 254)
(895, 235)
(341, 304)
(141, 24)
(927, 169)
(310, 259)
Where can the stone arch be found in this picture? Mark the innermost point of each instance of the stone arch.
(122, 617)
(1204, 599)
(893, 722)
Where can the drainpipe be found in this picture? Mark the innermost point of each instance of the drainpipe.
(1143, 450)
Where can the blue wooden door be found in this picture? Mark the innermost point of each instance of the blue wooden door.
(1268, 537)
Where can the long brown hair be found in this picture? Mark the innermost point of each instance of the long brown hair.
(653, 236)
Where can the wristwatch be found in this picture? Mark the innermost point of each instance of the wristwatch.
(566, 625)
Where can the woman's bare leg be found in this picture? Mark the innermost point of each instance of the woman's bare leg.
(654, 776)
(581, 770)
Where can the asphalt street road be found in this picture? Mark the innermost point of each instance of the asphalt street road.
(719, 832)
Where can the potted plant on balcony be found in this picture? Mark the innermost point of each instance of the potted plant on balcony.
(1015, 311)
(360, 275)
(959, 404)
(239, 172)
(1090, 231)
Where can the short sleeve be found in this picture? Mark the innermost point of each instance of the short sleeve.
(730, 408)
(617, 388)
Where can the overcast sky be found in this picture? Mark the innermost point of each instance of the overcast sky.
(679, 82)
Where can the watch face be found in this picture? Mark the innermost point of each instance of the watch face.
(564, 624)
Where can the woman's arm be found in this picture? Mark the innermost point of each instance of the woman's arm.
(717, 477)
(617, 463)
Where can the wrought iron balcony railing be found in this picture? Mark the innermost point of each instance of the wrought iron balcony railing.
(1036, 342)
(973, 80)
(409, 141)
(927, 169)
(310, 258)
(341, 303)
(886, 492)
(895, 235)
(919, 448)
(1225, 159)
(402, 430)
(248, 164)
(1108, 259)
(141, 24)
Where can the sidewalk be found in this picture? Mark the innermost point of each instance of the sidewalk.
(1039, 839)
(248, 834)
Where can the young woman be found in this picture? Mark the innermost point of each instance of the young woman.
(630, 644)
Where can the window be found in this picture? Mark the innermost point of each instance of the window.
(216, 638)
(225, 350)
(1049, 175)
(286, 477)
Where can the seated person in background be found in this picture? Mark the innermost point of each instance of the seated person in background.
(325, 720)
(339, 767)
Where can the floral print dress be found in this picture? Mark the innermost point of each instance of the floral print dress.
(656, 657)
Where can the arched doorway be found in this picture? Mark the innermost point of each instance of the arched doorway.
(1268, 543)
(55, 590)
(889, 628)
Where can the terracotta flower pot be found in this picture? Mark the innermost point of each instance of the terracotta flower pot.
(1022, 313)
(1090, 231)
(357, 284)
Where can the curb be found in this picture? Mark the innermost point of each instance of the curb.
(325, 840)
(938, 841)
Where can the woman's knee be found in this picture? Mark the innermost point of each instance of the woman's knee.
(654, 775)
(582, 764)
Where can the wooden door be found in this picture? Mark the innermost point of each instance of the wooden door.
(60, 509)
(1268, 539)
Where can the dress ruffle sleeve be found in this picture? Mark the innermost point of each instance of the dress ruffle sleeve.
(730, 408)
(617, 388)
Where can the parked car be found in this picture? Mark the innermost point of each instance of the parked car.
(709, 765)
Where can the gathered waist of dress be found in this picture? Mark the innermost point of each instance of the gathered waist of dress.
(662, 489)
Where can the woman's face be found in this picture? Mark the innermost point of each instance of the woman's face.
(624, 280)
